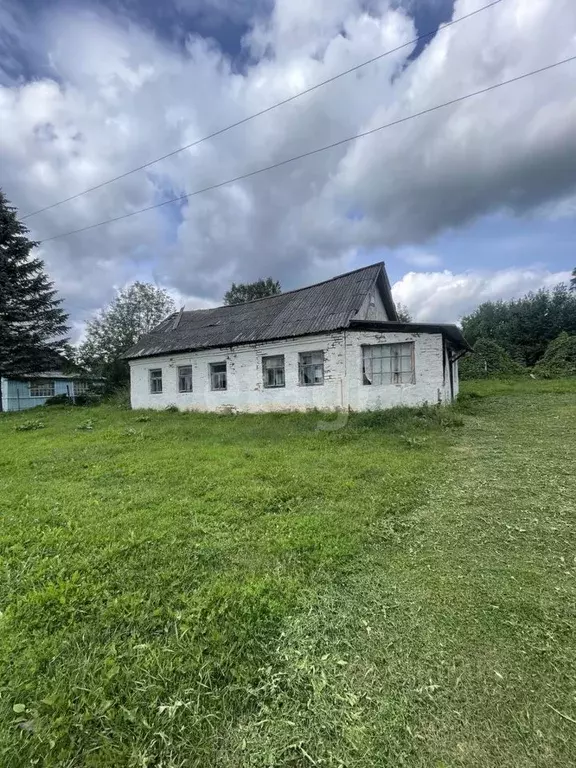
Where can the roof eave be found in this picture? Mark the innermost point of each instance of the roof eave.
(451, 332)
(206, 348)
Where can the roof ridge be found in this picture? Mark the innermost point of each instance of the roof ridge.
(286, 293)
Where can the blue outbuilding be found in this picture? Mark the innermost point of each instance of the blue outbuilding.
(27, 391)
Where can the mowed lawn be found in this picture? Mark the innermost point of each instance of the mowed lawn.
(183, 590)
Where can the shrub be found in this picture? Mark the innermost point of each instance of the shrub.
(62, 399)
(120, 398)
(489, 361)
(559, 358)
(87, 398)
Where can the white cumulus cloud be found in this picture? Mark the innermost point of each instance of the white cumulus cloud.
(111, 95)
(446, 296)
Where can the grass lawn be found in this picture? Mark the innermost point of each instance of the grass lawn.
(183, 590)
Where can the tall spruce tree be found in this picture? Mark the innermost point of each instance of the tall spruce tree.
(32, 321)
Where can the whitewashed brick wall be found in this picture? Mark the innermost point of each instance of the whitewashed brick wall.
(429, 387)
(246, 391)
(342, 386)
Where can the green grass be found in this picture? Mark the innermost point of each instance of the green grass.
(186, 590)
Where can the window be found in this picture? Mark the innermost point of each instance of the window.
(273, 371)
(388, 364)
(156, 381)
(311, 368)
(41, 389)
(184, 378)
(218, 376)
(81, 387)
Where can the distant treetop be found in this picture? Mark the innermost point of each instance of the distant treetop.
(239, 293)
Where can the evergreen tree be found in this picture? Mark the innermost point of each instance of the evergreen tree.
(32, 321)
(242, 292)
(573, 280)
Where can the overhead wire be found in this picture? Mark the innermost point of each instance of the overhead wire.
(316, 151)
(247, 119)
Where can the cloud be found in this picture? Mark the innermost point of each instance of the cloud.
(418, 258)
(115, 95)
(446, 297)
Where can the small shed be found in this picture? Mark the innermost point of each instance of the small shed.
(29, 390)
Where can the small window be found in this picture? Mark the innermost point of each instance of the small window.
(156, 381)
(273, 371)
(41, 389)
(311, 368)
(185, 378)
(218, 376)
(81, 387)
(388, 364)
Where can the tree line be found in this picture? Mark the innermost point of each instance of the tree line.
(524, 328)
(514, 335)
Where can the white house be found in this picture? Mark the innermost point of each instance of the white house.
(334, 345)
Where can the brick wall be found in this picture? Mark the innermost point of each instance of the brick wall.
(342, 388)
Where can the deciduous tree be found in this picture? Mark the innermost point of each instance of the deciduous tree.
(136, 310)
(524, 327)
(242, 292)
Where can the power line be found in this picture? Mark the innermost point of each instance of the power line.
(262, 112)
(316, 151)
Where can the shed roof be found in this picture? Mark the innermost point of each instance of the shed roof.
(323, 307)
(54, 375)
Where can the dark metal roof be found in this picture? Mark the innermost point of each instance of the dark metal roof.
(451, 332)
(319, 308)
(55, 375)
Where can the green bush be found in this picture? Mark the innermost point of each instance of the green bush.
(489, 361)
(62, 399)
(120, 398)
(559, 358)
(87, 398)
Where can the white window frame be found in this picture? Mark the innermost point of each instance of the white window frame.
(35, 388)
(217, 377)
(307, 368)
(385, 364)
(275, 365)
(81, 387)
(153, 381)
(184, 376)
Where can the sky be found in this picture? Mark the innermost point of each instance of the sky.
(469, 203)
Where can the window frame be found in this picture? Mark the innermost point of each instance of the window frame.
(398, 373)
(276, 369)
(152, 378)
(39, 383)
(213, 373)
(303, 366)
(180, 376)
(80, 387)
